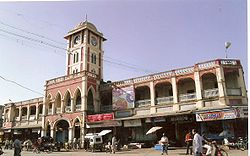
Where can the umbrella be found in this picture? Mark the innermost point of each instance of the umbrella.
(104, 132)
(153, 129)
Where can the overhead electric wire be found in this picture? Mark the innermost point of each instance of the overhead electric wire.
(128, 65)
(11, 81)
(38, 35)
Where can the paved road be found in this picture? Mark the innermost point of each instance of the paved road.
(134, 152)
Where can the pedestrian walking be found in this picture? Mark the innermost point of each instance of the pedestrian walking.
(189, 142)
(197, 143)
(17, 147)
(11, 144)
(6, 144)
(113, 144)
(164, 144)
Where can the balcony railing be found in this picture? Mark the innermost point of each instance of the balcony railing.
(211, 93)
(164, 100)
(17, 119)
(24, 117)
(106, 108)
(49, 111)
(58, 110)
(143, 103)
(234, 92)
(187, 97)
(68, 109)
(32, 117)
(78, 107)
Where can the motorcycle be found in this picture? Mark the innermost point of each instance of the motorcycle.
(215, 150)
(242, 143)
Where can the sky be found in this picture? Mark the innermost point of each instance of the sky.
(143, 37)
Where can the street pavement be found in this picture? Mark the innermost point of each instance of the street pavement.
(132, 152)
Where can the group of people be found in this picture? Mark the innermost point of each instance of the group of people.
(9, 144)
(194, 142)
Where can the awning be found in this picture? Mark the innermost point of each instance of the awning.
(27, 126)
(158, 115)
(104, 132)
(111, 123)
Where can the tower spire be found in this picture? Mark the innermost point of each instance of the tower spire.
(86, 18)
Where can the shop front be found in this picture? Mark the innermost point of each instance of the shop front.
(98, 122)
(222, 123)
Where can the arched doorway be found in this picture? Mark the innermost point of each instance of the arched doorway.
(62, 131)
(48, 129)
(90, 103)
(77, 129)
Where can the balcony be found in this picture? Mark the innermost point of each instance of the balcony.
(164, 100)
(68, 109)
(106, 108)
(78, 107)
(143, 103)
(187, 97)
(211, 93)
(234, 92)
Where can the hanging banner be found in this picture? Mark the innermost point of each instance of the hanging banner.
(217, 115)
(123, 98)
(100, 117)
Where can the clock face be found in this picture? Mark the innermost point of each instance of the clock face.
(93, 41)
(77, 39)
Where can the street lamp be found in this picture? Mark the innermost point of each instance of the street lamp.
(227, 45)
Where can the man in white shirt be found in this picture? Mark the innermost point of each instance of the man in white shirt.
(197, 143)
(164, 144)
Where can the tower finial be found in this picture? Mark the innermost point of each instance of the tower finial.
(86, 18)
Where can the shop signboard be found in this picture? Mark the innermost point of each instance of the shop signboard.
(182, 118)
(123, 98)
(123, 114)
(132, 123)
(100, 117)
(160, 119)
(217, 115)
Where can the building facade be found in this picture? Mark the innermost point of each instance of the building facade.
(210, 96)
(23, 119)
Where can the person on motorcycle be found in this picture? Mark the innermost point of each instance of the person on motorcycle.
(207, 144)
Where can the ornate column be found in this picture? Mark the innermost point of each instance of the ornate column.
(62, 106)
(53, 108)
(152, 98)
(82, 129)
(20, 113)
(28, 112)
(37, 111)
(176, 107)
(52, 131)
(72, 106)
(242, 85)
(175, 91)
(70, 134)
(84, 93)
(221, 85)
(198, 89)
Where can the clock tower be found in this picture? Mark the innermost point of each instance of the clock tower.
(85, 50)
